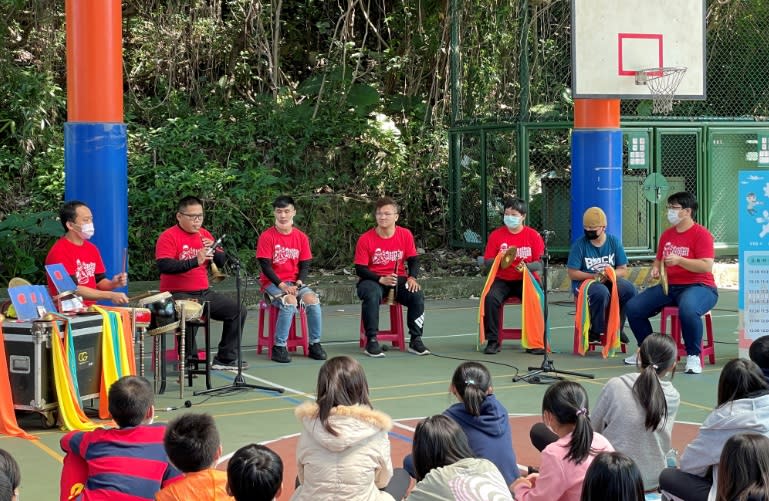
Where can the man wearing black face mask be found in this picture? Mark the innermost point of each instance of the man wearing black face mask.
(589, 255)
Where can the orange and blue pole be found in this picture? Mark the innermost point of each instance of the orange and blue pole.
(596, 163)
(95, 138)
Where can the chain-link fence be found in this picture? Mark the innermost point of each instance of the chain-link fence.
(526, 150)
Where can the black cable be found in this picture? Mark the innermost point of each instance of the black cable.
(484, 362)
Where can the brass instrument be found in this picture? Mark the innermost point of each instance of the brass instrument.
(216, 274)
(509, 257)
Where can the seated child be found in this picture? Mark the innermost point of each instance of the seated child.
(10, 468)
(482, 417)
(613, 475)
(565, 461)
(126, 463)
(193, 445)
(446, 468)
(255, 473)
(759, 353)
(743, 471)
(344, 451)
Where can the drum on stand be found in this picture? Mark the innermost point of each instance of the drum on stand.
(163, 310)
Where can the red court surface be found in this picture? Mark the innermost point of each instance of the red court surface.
(402, 434)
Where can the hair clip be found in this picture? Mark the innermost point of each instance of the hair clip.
(582, 411)
(469, 381)
(656, 367)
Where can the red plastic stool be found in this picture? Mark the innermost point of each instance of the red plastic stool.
(395, 334)
(592, 346)
(509, 333)
(708, 348)
(295, 340)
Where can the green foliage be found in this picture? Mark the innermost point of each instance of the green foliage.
(24, 243)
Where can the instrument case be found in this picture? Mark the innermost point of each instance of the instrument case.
(30, 361)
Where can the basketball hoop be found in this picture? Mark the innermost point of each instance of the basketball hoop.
(662, 83)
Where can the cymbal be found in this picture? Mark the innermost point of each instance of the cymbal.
(663, 278)
(508, 258)
(17, 282)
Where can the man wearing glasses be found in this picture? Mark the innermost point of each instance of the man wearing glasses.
(686, 250)
(383, 255)
(183, 253)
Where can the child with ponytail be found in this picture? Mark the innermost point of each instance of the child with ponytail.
(636, 412)
(565, 461)
(482, 417)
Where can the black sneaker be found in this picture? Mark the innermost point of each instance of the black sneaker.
(417, 347)
(373, 349)
(219, 365)
(492, 347)
(535, 351)
(316, 352)
(280, 355)
(594, 337)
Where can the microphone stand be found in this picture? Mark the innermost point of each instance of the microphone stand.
(546, 373)
(239, 383)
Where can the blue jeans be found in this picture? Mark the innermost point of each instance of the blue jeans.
(693, 301)
(288, 312)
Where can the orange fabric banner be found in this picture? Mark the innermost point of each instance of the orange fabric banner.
(582, 318)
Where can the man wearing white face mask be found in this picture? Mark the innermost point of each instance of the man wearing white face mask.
(508, 282)
(687, 252)
(82, 259)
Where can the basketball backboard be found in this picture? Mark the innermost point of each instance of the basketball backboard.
(612, 39)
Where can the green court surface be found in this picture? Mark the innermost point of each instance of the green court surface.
(402, 384)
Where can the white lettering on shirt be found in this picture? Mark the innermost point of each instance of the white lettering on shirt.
(84, 271)
(520, 252)
(188, 253)
(670, 250)
(384, 257)
(283, 254)
(599, 263)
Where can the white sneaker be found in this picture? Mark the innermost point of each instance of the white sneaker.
(693, 365)
(632, 359)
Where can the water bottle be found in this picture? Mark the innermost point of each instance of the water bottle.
(671, 458)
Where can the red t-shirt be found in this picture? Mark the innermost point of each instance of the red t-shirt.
(528, 243)
(81, 261)
(285, 252)
(380, 254)
(175, 243)
(694, 243)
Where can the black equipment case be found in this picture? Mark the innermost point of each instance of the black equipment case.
(30, 361)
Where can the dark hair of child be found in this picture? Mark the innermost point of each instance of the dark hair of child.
(739, 378)
(341, 381)
(192, 442)
(568, 403)
(254, 473)
(759, 352)
(438, 441)
(743, 471)
(658, 354)
(612, 475)
(130, 399)
(472, 381)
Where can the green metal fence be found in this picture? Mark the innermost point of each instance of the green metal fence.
(512, 114)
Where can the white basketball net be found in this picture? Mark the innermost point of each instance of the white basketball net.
(662, 83)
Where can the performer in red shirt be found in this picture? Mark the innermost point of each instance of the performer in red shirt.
(82, 259)
(508, 282)
(183, 253)
(382, 255)
(687, 251)
(284, 257)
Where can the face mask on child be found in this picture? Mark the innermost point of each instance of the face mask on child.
(512, 221)
(673, 217)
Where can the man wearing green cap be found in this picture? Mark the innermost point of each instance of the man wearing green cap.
(590, 254)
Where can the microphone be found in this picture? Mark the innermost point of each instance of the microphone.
(547, 233)
(187, 404)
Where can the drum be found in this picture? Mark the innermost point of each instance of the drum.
(192, 309)
(163, 312)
